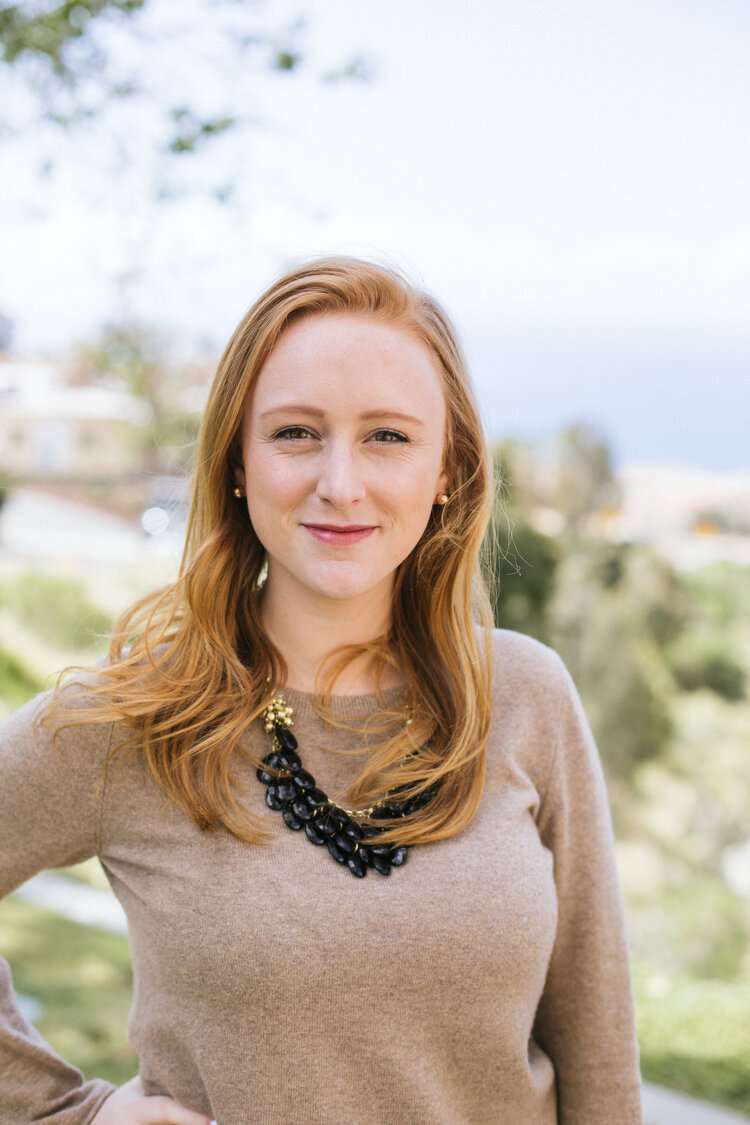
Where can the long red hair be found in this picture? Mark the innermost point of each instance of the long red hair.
(191, 666)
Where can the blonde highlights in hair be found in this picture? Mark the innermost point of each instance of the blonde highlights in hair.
(191, 667)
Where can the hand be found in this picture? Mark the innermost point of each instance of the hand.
(129, 1106)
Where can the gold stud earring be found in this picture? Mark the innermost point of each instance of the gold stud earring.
(442, 499)
(239, 492)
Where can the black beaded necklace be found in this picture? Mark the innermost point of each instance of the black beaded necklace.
(292, 791)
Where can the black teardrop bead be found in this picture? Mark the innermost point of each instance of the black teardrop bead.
(285, 738)
(366, 854)
(338, 818)
(304, 780)
(290, 761)
(268, 770)
(316, 798)
(302, 809)
(336, 852)
(291, 821)
(357, 865)
(399, 855)
(381, 864)
(286, 790)
(325, 826)
(353, 830)
(346, 843)
(273, 800)
(313, 833)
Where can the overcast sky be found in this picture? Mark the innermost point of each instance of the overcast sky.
(573, 180)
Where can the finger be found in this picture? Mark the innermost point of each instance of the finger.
(133, 1088)
(160, 1110)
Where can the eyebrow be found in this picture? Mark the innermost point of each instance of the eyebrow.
(316, 412)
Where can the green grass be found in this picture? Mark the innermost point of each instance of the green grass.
(57, 610)
(89, 872)
(695, 1037)
(691, 974)
(16, 683)
(82, 978)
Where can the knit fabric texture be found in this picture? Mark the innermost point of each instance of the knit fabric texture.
(484, 982)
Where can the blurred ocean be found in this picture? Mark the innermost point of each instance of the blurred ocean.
(657, 395)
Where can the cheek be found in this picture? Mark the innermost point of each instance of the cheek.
(411, 491)
(409, 504)
(272, 483)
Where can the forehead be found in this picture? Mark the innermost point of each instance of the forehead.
(352, 353)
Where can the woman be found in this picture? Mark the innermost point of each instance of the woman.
(321, 697)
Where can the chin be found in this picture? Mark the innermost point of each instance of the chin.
(345, 587)
(343, 592)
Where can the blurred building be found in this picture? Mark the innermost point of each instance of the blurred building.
(692, 516)
(52, 429)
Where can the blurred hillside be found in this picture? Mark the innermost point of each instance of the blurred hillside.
(642, 583)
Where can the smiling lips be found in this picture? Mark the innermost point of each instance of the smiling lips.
(339, 535)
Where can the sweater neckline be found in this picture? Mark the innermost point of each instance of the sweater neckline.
(345, 706)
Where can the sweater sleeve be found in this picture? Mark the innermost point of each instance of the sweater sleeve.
(49, 811)
(585, 1020)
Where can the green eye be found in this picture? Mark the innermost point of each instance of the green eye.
(389, 437)
(293, 433)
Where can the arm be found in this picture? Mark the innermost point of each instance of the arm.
(50, 808)
(48, 818)
(585, 1020)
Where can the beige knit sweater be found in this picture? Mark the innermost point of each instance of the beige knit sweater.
(484, 982)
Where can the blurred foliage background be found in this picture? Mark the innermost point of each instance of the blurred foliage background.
(662, 660)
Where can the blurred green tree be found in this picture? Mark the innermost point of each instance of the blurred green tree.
(33, 30)
(585, 482)
(608, 608)
(170, 77)
(702, 661)
(135, 358)
(601, 629)
(709, 652)
(519, 562)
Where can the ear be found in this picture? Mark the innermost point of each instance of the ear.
(239, 476)
(443, 483)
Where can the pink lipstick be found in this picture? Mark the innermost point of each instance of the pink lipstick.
(338, 534)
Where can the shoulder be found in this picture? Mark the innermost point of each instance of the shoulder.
(538, 719)
(57, 725)
(50, 796)
(525, 668)
(532, 699)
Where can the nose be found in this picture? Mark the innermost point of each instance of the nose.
(339, 481)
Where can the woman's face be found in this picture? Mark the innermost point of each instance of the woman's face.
(342, 455)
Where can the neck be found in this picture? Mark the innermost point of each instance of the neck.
(306, 630)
